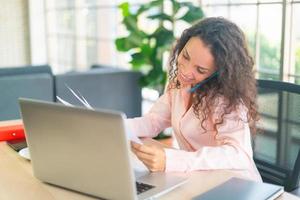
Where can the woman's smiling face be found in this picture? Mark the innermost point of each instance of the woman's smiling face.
(195, 62)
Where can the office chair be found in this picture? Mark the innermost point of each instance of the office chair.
(289, 178)
(277, 144)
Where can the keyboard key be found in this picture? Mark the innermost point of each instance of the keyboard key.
(143, 187)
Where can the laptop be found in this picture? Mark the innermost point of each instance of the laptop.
(88, 151)
(242, 189)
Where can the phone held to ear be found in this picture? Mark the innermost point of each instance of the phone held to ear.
(198, 85)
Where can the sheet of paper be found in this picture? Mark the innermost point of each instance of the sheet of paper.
(63, 101)
(138, 166)
(81, 98)
(133, 137)
(78, 96)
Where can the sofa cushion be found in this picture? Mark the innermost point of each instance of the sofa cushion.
(22, 83)
(106, 89)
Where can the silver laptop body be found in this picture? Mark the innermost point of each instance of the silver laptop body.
(86, 151)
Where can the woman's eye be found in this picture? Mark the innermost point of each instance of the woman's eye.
(184, 56)
(199, 70)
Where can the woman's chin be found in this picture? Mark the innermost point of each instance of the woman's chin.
(183, 82)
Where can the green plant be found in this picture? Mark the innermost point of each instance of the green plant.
(147, 48)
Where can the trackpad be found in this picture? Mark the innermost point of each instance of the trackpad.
(140, 173)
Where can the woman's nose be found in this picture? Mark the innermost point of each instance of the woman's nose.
(188, 69)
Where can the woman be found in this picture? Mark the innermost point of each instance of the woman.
(210, 103)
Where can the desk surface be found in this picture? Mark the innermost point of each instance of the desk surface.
(17, 182)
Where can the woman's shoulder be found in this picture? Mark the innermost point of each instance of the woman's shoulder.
(222, 105)
(222, 101)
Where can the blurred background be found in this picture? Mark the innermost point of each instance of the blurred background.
(74, 34)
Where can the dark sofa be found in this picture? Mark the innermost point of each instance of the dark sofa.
(108, 88)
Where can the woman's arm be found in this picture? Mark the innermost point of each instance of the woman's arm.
(155, 121)
(232, 152)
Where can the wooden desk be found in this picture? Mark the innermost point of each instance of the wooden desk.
(17, 182)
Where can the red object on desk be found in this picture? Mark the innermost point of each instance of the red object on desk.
(11, 132)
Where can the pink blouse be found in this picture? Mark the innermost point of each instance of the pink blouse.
(199, 150)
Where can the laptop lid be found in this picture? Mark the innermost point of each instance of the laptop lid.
(242, 189)
(66, 145)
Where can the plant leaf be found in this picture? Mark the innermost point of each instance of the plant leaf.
(176, 6)
(142, 57)
(123, 44)
(149, 5)
(161, 16)
(125, 9)
(130, 23)
(193, 13)
(135, 38)
(138, 60)
(126, 43)
(146, 50)
(163, 36)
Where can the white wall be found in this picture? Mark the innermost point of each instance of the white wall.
(37, 31)
(14, 33)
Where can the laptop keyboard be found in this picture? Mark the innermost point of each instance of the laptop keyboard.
(143, 187)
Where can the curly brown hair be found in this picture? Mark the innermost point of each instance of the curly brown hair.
(235, 82)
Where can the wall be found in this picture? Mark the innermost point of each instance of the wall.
(14, 33)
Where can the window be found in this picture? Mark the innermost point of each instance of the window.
(295, 71)
(81, 33)
(271, 31)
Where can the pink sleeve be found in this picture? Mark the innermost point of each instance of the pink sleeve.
(155, 121)
(233, 151)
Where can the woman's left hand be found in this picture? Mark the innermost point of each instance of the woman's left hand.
(152, 156)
